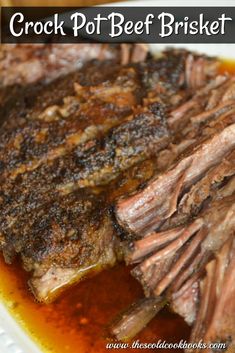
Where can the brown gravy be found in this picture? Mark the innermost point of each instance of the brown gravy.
(77, 321)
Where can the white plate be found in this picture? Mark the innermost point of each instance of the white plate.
(12, 338)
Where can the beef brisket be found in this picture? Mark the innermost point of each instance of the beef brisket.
(176, 238)
(58, 156)
(161, 130)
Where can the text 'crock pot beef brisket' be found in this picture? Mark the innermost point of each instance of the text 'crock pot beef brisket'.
(129, 157)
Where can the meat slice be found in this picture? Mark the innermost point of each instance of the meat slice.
(207, 103)
(207, 234)
(28, 63)
(222, 325)
(164, 255)
(70, 239)
(66, 158)
(43, 133)
(146, 210)
(136, 318)
(26, 69)
(214, 322)
(21, 101)
(92, 164)
(206, 188)
(207, 302)
(185, 301)
(41, 193)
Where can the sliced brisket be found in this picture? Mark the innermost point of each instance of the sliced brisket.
(57, 158)
(146, 210)
(180, 220)
(160, 129)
